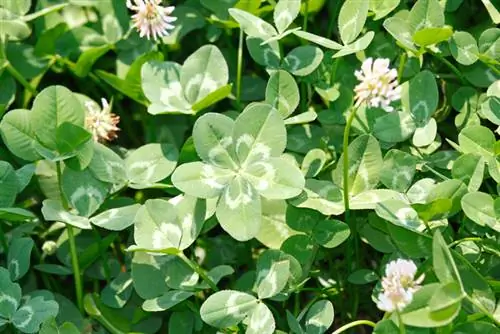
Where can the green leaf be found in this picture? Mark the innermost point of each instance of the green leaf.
(10, 295)
(252, 25)
(430, 36)
(352, 18)
(18, 134)
(365, 163)
(272, 278)
(18, 258)
(478, 140)
(321, 195)
(426, 134)
(435, 210)
(212, 98)
(212, 137)
(239, 210)
(398, 170)
(282, 93)
(51, 327)
(293, 323)
(476, 327)
(203, 72)
(331, 233)
(52, 107)
(450, 189)
(426, 14)
(324, 42)
(313, 162)
(400, 30)
(201, 180)
(464, 48)
(227, 308)
(395, 127)
(84, 192)
(266, 55)
(446, 295)
(370, 198)
(259, 133)
(7, 95)
(480, 208)
(284, 13)
(442, 261)
(19, 7)
(359, 45)
(150, 163)
(399, 213)
(53, 210)
(107, 166)
(118, 291)
(33, 313)
(15, 214)
(181, 322)
(274, 230)
(382, 8)
(54, 269)
(261, 320)
(469, 168)
(88, 58)
(148, 274)
(116, 219)
(13, 26)
(9, 185)
(362, 276)
(70, 138)
(319, 317)
(489, 42)
(303, 60)
(423, 96)
(418, 313)
(275, 178)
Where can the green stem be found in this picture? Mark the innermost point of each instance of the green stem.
(306, 15)
(72, 246)
(482, 309)
(354, 324)
(198, 270)
(239, 68)
(3, 240)
(104, 257)
(401, 68)
(401, 325)
(456, 242)
(19, 77)
(44, 12)
(452, 67)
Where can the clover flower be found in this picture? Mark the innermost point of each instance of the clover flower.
(399, 285)
(49, 247)
(378, 86)
(100, 121)
(151, 18)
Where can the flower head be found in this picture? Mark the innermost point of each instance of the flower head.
(100, 121)
(378, 86)
(151, 18)
(399, 285)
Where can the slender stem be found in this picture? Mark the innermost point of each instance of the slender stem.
(401, 325)
(72, 246)
(482, 309)
(354, 324)
(452, 67)
(19, 77)
(346, 163)
(3, 240)
(402, 63)
(347, 213)
(239, 68)
(306, 15)
(198, 270)
(104, 257)
(456, 242)
(44, 12)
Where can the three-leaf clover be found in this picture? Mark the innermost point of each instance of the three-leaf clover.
(241, 162)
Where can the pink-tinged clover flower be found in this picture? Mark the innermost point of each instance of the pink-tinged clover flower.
(151, 18)
(378, 85)
(399, 285)
(101, 122)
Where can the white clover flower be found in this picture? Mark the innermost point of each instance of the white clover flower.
(100, 121)
(399, 285)
(378, 86)
(151, 18)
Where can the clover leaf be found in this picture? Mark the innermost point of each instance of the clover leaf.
(241, 163)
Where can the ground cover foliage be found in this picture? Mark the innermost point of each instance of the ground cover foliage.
(249, 166)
